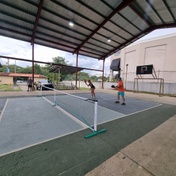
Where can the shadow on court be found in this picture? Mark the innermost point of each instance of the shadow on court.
(68, 152)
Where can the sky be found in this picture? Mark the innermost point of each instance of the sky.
(15, 48)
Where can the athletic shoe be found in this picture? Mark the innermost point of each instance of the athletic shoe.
(117, 102)
(123, 104)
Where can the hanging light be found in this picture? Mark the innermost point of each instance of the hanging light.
(71, 23)
(109, 40)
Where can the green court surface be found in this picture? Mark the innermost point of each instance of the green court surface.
(73, 155)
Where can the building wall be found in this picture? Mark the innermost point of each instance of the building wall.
(9, 79)
(6, 80)
(160, 52)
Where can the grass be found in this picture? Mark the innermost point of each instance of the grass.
(84, 88)
(9, 88)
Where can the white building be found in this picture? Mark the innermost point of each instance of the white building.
(159, 52)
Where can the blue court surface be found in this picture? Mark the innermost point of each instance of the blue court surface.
(29, 121)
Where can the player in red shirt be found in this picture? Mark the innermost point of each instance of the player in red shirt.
(121, 91)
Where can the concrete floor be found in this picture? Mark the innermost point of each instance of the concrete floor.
(137, 144)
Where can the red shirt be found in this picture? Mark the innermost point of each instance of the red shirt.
(120, 86)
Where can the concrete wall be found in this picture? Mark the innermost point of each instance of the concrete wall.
(6, 80)
(143, 86)
(160, 52)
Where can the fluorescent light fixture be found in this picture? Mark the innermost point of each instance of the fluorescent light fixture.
(109, 40)
(71, 23)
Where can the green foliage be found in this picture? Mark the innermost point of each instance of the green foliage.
(9, 88)
(59, 60)
(45, 70)
(81, 76)
(37, 69)
(53, 77)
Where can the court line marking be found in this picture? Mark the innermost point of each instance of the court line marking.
(125, 115)
(145, 109)
(3, 110)
(115, 98)
(38, 143)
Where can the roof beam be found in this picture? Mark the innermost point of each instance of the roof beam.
(167, 6)
(142, 16)
(130, 22)
(90, 8)
(152, 7)
(103, 1)
(120, 7)
(37, 20)
(148, 30)
(48, 63)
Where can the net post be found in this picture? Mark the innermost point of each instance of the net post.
(41, 90)
(95, 115)
(54, 97)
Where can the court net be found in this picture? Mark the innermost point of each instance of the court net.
(83, 109)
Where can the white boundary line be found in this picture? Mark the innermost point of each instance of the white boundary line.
(124, 115)
(3, 110)
(145, 109)
(38, 143)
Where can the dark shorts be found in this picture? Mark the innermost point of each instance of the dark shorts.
(29, 85)
(92, 87)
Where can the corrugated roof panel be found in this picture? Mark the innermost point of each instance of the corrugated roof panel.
(64, 23)
(166, 16)
(60, 29)
(163, 11)
(119, 20)
(89, 13)
(76, 16)
(18, 6)
(94, 51)
(100, 38)
(16, 17)
(90, 54)
(15, 35)
(149, 11)
(125, 24)
(8, 20)
(104, 45)
(134, 18)
(56, 40)
(111, 35)
(55, 35)
(54, 45)
(100, 7)
(118, 30)
(100, 49)
(172, 5)
(105, 41)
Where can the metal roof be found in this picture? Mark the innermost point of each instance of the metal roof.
(64, 69)
(46, 22)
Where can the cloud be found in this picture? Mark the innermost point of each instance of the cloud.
(15, 48)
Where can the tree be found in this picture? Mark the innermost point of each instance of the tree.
(59, 60)
(37, 69)
(56, 76)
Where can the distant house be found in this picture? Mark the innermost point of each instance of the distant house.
(11, 78)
